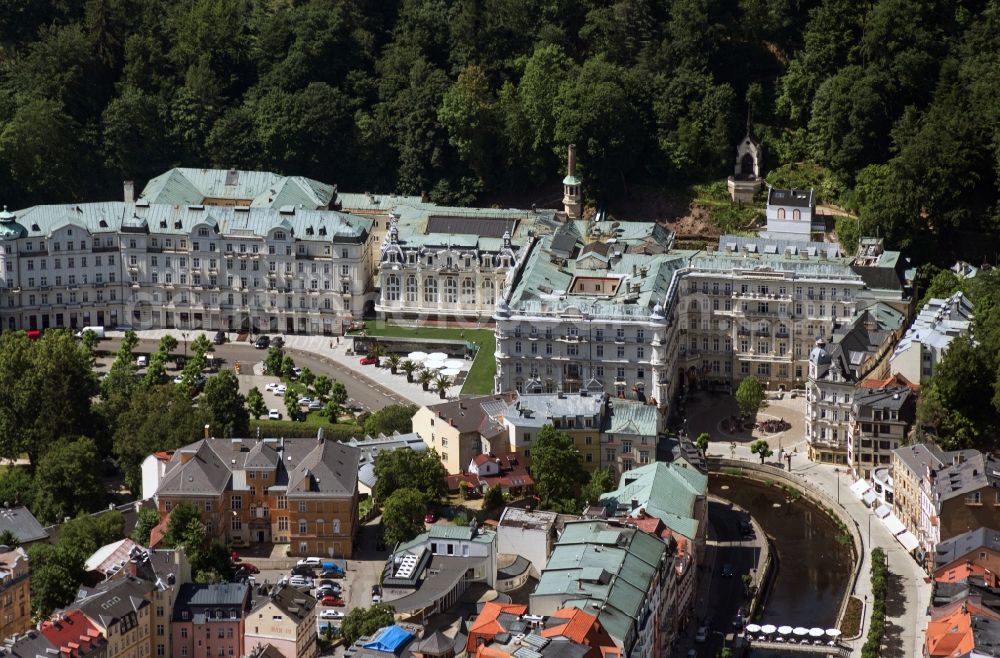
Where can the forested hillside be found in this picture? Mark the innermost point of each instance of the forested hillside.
(895, 99)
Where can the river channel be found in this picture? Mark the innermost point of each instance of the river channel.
(814, 569)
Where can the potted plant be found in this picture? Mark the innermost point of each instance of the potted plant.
(393, 361)
(425, 377)
(408, 367)
(441, 384)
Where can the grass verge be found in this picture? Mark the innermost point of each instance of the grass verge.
(730, 217)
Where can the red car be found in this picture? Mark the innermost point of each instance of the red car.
(332, 601)
(430, 518)
(368, 361)
(234, 556)
(249, 568)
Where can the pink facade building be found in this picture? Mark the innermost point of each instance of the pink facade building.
(208, 620)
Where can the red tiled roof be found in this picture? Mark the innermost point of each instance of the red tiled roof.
(73, 633)
(164, 455)
(583, 628)
(892, 380)
(486, 625)
(158, 531)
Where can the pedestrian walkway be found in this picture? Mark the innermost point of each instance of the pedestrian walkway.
(327, 348)
(906, 622)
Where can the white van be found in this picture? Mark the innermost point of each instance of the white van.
(97, 330)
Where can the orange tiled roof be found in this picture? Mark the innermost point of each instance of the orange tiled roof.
(486, 625)
(892, 380)
(583, 628)
(949, 633)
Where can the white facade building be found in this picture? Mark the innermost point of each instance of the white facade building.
(791, 215)
(923, 346)
(440, 261)
(528, 533)
(186, 267)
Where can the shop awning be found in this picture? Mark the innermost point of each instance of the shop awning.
(882, 511)
(869, 498)
(894, 525)
(908, 540)
(859, 488)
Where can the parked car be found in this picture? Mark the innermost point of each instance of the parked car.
(332, 574)
(368, 361)
(301, 581)
(702, 634)
(326, 582)
(315, 405)
(270, 386)
(429, 517)
(376, 594)
(332, 600)
(262, 343)
(220, 337)
(250, 567)
(274, 414)
(142, 362)
(310, 561)
(331, 614)
(303, 570)
(296, 371)
(305, 401)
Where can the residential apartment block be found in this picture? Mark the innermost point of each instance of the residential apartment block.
(208, 620)
(303, 492)
(616, 572)
(856, 352)
(72, 635)
(880, 422)
(457, 430)
(939, 322)
(15, 591)
(122, 611)
(286, 620)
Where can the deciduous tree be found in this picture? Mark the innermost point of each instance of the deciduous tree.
(403, 515)
(556, 466)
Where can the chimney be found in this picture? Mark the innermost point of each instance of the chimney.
(571, 160)
(207, 428)
(129, 189)
(635, 503)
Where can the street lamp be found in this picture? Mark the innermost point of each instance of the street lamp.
(185, 337)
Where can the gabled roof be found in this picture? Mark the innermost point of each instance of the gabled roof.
(114, 601)
(290, 601)
(187, 185)
(666, 491)
(488, 623)
(304, 466)
(956, 548)
(74, 634)
(195, 599)
(22, 523)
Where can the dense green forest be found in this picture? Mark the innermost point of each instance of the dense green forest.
(894, 100)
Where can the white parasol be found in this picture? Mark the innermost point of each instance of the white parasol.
(833, 632)
(437, 356)
(768, 628)
(454, 363)
(816, 632)
(800, 631)
(450, 372)
(416, 357)
(784, 630)
(752, 628)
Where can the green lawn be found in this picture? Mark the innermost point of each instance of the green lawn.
(480, 377)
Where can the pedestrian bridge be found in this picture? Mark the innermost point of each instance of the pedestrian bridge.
(836, 650)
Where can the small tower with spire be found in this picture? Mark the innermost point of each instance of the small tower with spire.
(572, 195)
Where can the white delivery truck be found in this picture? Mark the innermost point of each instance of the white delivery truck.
(97, 330)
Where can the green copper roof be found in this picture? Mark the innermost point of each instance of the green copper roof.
(667, 491)
(263, 189)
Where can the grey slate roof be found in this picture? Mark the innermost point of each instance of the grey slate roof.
(967, 476)
(290, 601)
(332, 466)
(114, 601)
(793, 197)
(195, 599)
(22, 523)
(866, 400)
(919, 456)
(955, 548)
(30, 645)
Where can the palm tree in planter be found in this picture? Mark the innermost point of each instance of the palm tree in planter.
(409, 367)
(425, 377)
(441, 384)
(376, 351)
(393, 361)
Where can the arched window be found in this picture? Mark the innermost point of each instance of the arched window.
(392, 288)
(796, 214)
(468, 291)
(450, 290)
(430, 290)
(488, 295)
(781, 213)
(411, 288)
